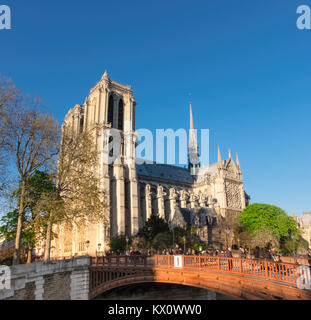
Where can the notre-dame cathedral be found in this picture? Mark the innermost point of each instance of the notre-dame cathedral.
(182, 196)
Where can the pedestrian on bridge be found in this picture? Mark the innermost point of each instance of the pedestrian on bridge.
(241, 253)
(229, 255)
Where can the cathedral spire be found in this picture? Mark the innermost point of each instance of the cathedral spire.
(237, 161)
(229, 153)
(105, 75)
(193, 145)
(191, 117)
(219, 156)
(219, 161)
(194, 160)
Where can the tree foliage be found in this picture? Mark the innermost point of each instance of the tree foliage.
(153, 226)
(118, 243)
(162, 240)
(78, 179)
(265, 238)
(268, 217)
(29, 138)
(7, 93)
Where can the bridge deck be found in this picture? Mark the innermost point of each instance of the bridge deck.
(282, 272)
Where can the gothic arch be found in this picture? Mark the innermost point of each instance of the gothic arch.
(110, 110)
(93, 110)
(121, 114)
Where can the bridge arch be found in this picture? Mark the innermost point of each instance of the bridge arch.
(146, 290)
(104, 278)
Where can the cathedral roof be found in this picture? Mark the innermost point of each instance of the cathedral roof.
(165, 171)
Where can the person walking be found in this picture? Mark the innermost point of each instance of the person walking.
(229, 256)
(241, 253)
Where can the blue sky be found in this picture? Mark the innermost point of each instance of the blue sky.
(246, 64)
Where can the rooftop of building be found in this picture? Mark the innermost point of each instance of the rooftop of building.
(172, 172)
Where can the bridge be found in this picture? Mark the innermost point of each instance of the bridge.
(85, 277)
(239, 278)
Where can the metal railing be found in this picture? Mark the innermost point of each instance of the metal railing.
(283, 272)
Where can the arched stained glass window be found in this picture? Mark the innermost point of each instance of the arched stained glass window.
(110, 110)
(121, 115)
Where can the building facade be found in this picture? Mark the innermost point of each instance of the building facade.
(304, 224)
(135, 190)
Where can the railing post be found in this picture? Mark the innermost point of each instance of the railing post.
(266, 269)
(241, 266)
(218, 263)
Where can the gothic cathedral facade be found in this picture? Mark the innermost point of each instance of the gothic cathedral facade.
(181, 196)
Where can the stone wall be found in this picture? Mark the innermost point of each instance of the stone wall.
(54, 280)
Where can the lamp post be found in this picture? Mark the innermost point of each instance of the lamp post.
(227, 238)
(173, 237)
(294, 250)
(87, 244)
(99, 246)
(184, 244)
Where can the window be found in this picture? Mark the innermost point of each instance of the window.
(121, 115)
(110, 110)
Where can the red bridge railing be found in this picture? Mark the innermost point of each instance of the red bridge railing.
(283, 272)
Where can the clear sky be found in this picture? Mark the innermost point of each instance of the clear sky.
(245, 62)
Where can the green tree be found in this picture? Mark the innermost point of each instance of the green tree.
(118, 243)
(265, 238)
(38, 188)
(46, 205)
(30, 140)
(8, 227)
(138, 243)
(295, 246)
(268, 217)
(8, 92)
(153, 226)
(162, 240)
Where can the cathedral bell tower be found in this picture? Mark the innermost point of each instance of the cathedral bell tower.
(110, 110)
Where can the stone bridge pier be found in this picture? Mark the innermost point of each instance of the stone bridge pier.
(54, 280)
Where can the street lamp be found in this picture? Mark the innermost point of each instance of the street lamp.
(227, 232)
(173, 237)
(294, 250)
(87, 244)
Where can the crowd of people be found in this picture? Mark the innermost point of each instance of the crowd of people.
(242, 253)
